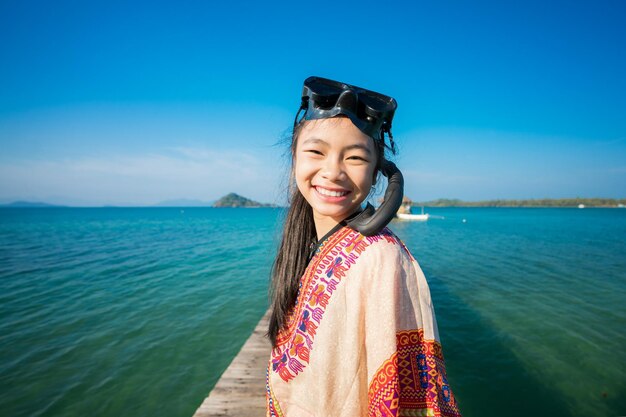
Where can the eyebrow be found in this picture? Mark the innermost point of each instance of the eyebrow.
(347, 148)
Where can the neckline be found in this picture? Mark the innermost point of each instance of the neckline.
(316, 244)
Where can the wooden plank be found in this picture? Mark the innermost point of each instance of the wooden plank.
(240, 390)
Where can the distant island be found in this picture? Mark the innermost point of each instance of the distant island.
(235, 200)
(543, 202)
(29, 204)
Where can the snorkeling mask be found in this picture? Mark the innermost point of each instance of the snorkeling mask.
(372, 113)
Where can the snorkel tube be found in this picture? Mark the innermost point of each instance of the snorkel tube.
(371, 221)
(372, 113)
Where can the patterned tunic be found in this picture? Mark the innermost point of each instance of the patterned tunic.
(362, 339)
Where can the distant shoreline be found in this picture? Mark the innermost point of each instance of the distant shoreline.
(530, 203)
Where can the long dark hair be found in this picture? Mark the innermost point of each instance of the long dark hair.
(293, 252)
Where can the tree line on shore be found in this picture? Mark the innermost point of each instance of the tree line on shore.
(541, 202)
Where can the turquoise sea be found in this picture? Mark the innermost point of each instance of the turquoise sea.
(137, 311)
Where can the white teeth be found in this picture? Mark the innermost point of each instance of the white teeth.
(330, 193)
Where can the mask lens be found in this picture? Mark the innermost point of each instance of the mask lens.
(324, 92)
(375, 101)
(324, 100)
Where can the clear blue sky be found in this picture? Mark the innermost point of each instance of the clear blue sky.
(139, 102)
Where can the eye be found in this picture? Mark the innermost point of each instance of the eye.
(313, 151)
(358, 158)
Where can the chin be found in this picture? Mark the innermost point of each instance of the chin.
(337, 214)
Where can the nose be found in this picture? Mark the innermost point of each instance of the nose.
(333, 169)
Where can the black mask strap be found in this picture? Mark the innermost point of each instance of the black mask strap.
(392, 145)
(303, 106)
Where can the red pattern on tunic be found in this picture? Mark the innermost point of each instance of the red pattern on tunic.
(412, 379)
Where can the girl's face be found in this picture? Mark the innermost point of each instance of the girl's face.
(334, 169)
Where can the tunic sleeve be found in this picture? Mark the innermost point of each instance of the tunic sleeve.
(405, 366)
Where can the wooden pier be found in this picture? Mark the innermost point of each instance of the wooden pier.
(240, 390)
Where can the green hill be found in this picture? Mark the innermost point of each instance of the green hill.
(235, 200)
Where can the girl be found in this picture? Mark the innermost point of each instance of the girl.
(352, 326)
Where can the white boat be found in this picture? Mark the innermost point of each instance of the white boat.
(418, 217)
(415, 217)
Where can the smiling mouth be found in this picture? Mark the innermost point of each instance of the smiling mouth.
(330, 193)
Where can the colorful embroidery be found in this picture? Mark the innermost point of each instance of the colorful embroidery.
(326, 269)
(285, 334)
(383, 392)
(412, 381)
(273, 409)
